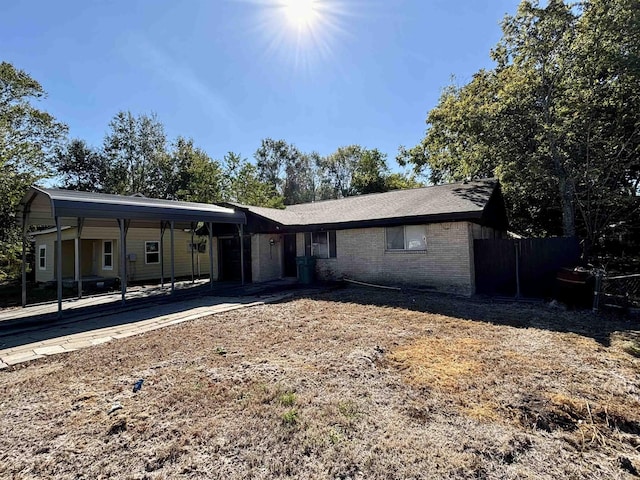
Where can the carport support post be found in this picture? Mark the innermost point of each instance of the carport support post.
(79, 256)
(123, 224)
(241, 231)
(210, 228)
(517, 245)
(24, 259)
(173, 266)
(163, 227)
(192, 277)
(59, 263)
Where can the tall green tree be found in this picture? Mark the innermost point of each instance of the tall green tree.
(556, 119)
(28, 139)
(244, 184)
(352, 170)
(290, 172)
(80, 167)
(190, 174)
(136, 153)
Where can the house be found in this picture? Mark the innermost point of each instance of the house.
(420, 237)
(100, 250)
(108, 236)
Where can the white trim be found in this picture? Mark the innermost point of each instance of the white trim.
(42, 248)
(104, 255)
(147, 253)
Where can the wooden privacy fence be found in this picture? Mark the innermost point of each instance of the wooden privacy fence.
(522, 267)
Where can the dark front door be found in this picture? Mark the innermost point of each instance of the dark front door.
(290, 269)
(229, 255)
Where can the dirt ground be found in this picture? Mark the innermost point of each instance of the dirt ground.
(349, 384)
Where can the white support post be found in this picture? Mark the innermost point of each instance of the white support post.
(210, 228)
(59, 263)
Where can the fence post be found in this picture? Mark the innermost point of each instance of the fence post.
(517, 245)
(596, 291)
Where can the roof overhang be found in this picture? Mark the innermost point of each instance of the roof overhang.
(41, 206)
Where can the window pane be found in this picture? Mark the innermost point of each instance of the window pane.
(153, 247)
(320, 245)
(107, 247)
(153, 258)
(395, 238)
(107, 260)
(416, 237)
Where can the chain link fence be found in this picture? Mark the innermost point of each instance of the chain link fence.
(619, 292)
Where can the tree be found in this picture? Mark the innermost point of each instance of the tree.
(289, 171)
(80, 167)
(300, 182)
(370, 173)
(135, 150)
(556, 120)
(352, 170)
(244, 185)
(191, 175)
(28, 138)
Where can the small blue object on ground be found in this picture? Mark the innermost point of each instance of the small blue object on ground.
(138, 385)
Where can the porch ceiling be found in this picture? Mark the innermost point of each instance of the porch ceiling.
(42, 205)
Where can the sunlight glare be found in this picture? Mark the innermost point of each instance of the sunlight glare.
(301, 13)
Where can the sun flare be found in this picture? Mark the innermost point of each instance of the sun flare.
(301, 13)
(302, 32)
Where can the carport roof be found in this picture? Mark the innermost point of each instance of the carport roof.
(42, 205)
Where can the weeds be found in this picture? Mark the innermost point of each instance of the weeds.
(290, 418)
(633, 348)
(287, 399)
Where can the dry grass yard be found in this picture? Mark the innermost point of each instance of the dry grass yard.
(344, 385)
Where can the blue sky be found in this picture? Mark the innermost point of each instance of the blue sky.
(228, 73)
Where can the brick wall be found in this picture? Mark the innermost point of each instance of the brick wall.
(447, 264)
(266, 259)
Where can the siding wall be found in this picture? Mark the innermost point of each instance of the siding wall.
(266, 260)
(447, 265)
(92, 239)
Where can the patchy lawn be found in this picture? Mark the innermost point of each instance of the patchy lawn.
(350, 384)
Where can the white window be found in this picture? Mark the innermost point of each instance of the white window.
(107, 254)
(320, 244)
(42, 257)
(406, 237)
(151, 252)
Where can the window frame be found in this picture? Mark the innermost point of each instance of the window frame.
(405, 248)
(147, 253)
(332, 251)
(107, 254)
(42, 248)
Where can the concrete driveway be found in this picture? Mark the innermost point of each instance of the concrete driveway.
(25, 337)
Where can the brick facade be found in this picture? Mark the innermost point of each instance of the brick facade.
(446, 265)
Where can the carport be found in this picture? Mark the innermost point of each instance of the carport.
(68, 208)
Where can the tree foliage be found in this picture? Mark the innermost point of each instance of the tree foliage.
(28, 138)
(135, 152)
(557, 119)
(80, 167)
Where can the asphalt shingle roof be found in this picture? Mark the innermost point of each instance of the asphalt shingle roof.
(455, 200)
